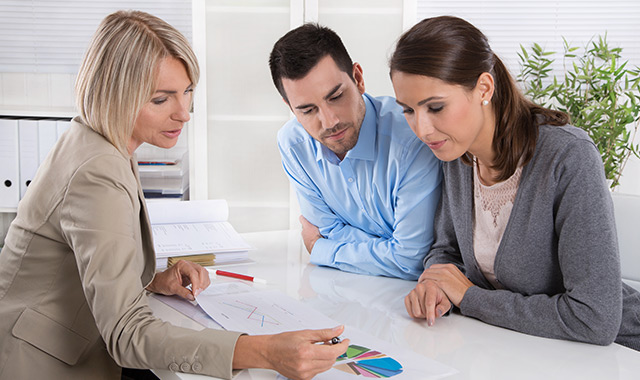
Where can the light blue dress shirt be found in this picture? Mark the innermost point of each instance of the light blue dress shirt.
(375, 208)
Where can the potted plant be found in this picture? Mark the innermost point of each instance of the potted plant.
(597, 89)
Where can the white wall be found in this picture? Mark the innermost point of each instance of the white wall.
(245, 110)
(22, 91)
(630, 181)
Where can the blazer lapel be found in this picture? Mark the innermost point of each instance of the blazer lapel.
(145, 227)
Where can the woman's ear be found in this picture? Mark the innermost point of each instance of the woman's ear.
(485, 87)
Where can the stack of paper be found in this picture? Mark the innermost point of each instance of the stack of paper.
(196, 230)
(164, 178)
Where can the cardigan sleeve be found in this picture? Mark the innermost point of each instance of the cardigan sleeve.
(445, 248)
(586, 305)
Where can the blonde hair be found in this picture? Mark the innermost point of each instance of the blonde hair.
(117, 75)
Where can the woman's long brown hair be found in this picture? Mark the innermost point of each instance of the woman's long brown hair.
(454, 51)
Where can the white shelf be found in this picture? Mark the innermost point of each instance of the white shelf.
(250, 118)
(247, 9)
(36, 111)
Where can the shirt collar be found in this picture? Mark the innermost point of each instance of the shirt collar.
(365, 147)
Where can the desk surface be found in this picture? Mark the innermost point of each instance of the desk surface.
(376, 305)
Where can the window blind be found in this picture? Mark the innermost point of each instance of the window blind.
(511, 23)
(49, 36)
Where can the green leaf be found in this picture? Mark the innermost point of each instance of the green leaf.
(598, 90)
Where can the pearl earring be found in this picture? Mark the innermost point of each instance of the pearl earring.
(485, 102)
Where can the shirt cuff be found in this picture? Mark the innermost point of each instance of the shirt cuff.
(323, 252)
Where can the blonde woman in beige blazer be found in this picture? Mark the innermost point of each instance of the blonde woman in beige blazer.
(78, 260)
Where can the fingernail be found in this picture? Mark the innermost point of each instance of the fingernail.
(190, 297)
(430, 322)
(198, 291)
(440, 313)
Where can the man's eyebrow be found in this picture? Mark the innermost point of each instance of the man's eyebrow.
(329, 95)
(332, 92)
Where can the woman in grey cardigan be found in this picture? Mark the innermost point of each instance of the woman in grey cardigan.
(524, 233)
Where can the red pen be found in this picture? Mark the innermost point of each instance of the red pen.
(156, 163)
(238, 275)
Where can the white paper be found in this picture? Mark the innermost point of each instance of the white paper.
(190, 309)
(272, 312)
(226, 288)
(192, 228)
(262, 312)
(195, 312)
(196, 238)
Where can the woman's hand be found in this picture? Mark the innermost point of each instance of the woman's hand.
(175, 280)
(293, 354)
(428, 301)
(448, 278)
(438, 287)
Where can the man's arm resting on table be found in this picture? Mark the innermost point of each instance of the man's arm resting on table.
(310, 234)
(349, 248)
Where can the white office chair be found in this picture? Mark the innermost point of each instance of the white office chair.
(627, 214)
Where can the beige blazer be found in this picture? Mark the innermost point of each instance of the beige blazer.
(73, 273)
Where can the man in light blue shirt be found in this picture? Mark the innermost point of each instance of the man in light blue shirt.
(368, 188)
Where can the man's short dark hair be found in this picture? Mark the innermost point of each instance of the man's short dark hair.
(300, 50)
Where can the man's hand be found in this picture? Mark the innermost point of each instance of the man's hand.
(293, 354)
(310, 233)
(175, 279)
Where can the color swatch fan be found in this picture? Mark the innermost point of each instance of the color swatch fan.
(362, 361)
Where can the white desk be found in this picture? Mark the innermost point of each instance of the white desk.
(376, 305)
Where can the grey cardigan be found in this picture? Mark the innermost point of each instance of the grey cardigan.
(558, 258)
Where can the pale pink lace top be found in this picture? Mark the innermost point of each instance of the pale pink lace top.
(492, 208)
